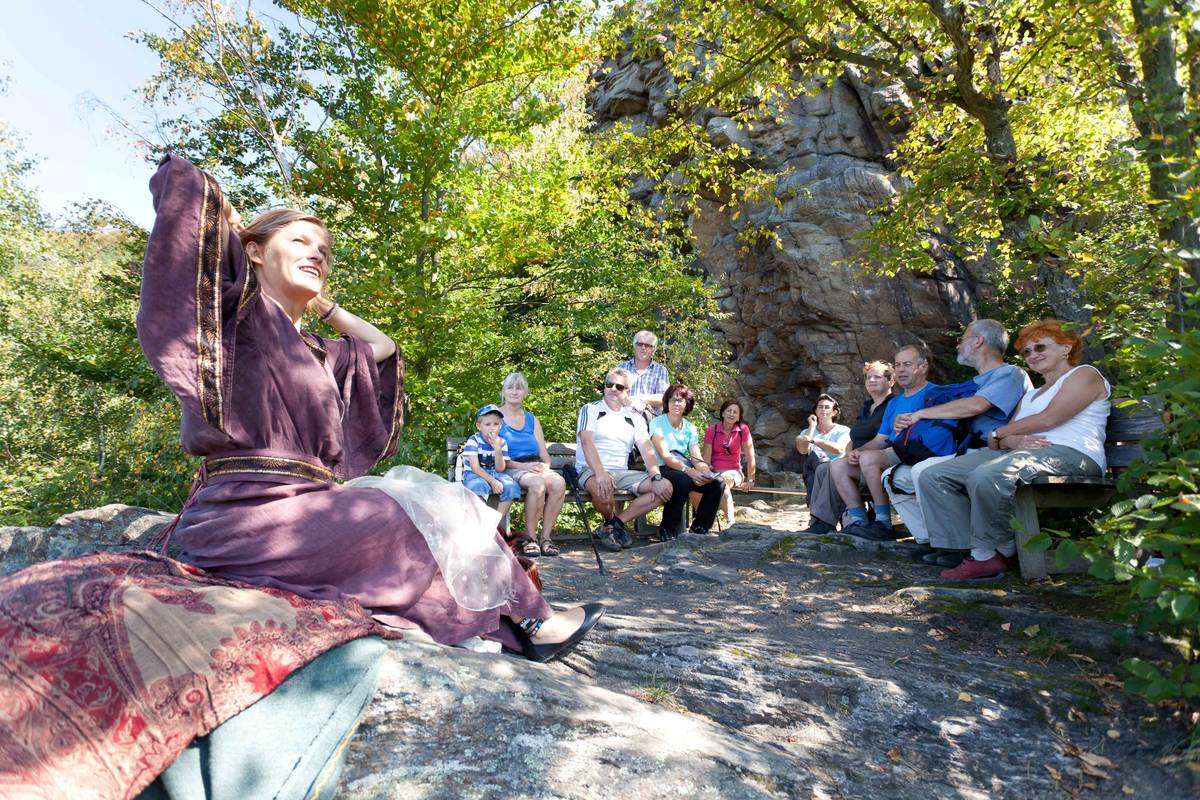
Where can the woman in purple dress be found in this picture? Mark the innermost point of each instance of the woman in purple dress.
(280, 414)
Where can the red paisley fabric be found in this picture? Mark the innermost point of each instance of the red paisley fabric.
(110, 664)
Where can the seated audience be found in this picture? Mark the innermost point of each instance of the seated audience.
(1000, 388)
(825, 506)
(1058, 429)
(724, 443)
(529, 465)
(606, 433)
(677, 449)
(824, 440)
(869, 461)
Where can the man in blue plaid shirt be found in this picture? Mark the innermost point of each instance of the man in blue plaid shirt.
(650, 379)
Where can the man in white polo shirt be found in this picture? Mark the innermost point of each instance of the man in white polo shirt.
(605, 435)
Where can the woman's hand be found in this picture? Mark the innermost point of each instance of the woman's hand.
(745, 486)
(812, 420)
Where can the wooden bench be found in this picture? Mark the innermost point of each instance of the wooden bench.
(561, 454)
(1128, 422)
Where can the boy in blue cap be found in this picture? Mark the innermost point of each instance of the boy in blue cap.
(482, 462)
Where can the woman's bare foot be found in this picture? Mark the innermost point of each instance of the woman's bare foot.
(560, 627)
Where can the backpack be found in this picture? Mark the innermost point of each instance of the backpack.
(937, 437)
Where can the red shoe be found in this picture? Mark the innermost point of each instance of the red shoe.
(972, 570)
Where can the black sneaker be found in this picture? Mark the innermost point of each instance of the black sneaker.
(818, 527)
(947, 559)
(608, 536)
(696, 530)
(623, 538)
(876, 532)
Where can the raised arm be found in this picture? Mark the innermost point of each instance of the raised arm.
(194, 285)
(342, 321)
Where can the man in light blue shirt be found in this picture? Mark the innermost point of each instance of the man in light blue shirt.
(1001, 387)
(869, 461)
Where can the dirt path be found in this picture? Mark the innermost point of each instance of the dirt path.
(869, 673)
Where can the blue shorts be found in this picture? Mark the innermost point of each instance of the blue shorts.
(477, 485)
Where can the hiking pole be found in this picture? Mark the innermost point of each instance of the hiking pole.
(572, 476)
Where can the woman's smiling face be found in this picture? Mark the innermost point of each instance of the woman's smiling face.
(294, 264)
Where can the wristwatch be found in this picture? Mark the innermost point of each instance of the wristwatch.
(656, 477)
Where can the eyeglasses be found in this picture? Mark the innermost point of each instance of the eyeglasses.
(1034, 348)
(643, 344)
(620, 387)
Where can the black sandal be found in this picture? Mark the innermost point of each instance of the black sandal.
(549, 548)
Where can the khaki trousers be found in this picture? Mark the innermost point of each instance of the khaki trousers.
(968, 500)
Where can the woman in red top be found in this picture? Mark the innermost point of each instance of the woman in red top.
(724, 443)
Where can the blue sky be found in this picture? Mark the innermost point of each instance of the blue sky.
(57, 56)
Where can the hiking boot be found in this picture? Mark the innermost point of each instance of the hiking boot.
(972, 570)
(608, 536)
(876, 532)
(818, 527)
(696, 530)
(623, 537)
(944, 558)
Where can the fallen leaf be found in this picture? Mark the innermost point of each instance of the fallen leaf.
(1113, 733)
(1075, 715)
(964, 697)
(898, 660)
(1032, 631)
(894, 755)
(934, 633)
(989, 713)
(1008, 627)
(1082, 657)
(1096, 760)
(1128, 790)
(1095, 772)
(1053, 772)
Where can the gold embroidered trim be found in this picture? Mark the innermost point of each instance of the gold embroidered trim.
(208, 306)
(249, 287)
(268, 465)
(397, 409)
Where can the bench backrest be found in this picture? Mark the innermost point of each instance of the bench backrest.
(1129, 420)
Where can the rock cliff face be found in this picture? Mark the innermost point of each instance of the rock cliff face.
(800, 323)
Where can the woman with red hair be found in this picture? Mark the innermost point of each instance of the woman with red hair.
(1058, 429)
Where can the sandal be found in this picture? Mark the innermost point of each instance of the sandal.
(530, 549)
(549, 548)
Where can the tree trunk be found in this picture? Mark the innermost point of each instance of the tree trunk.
(1170, 147)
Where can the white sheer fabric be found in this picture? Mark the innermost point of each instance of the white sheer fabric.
(460, 530)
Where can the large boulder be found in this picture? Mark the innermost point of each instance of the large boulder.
(796, 317)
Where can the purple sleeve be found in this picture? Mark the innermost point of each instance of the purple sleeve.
(194, 284)
(374, 399)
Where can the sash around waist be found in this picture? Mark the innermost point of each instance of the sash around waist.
(267, 462)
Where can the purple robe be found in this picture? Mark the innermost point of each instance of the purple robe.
(279, 414)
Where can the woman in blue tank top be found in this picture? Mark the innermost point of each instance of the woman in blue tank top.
(529, 465)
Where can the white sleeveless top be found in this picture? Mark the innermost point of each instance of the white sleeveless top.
(1084, 431)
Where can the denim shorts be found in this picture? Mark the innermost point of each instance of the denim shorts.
(477, 485)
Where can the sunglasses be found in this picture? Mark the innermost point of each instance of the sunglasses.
(1034, 348)
(620, 387)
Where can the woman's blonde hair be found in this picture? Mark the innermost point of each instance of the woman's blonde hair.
(889, 372)
(513, 379)
(267, 224)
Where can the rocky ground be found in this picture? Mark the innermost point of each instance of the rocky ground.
(762, 663)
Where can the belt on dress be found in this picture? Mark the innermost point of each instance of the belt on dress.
(267, 465)
(240, 464)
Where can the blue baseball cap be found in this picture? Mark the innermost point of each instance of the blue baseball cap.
(490, 408)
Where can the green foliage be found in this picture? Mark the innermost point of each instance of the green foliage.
(443, 144)
(1160, 514)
